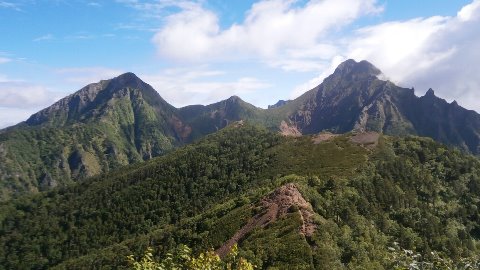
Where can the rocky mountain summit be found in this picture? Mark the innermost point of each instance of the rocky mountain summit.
(355, 98)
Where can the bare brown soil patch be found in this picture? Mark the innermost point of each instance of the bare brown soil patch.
(239, 123)
(180, 128)
(367, 139)
(275, 205)
(287, 130)
(323, 137)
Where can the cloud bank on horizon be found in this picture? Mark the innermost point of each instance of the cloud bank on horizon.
(205, 59)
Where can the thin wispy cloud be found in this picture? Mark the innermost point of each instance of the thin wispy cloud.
(80, 36)
(94, 4)
(44, 38)
(86, 75)
(150, 14)
(4, 60)
(9, 5)
(200, 85)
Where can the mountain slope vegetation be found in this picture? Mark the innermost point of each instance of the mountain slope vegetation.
(124, 121)
(357, 197)
(101, 127)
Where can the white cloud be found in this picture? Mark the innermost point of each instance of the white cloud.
(4, 60)
(94, 4)
(44, 37)
(437, 52)
(312, 83)
(17, 94)
(5, 4)
(272, 29)
(19, 100)
(200, 86)
(12, 116)
(86, 75)
(80, 36)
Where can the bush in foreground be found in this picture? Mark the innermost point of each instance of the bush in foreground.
(183, 259)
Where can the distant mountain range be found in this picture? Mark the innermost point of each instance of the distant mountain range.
(123, 120)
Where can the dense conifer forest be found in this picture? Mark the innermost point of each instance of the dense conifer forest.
(369, 203)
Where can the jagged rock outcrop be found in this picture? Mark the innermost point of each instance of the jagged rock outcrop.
(277, 204)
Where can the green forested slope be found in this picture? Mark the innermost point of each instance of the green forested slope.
(72, 221)
(99, 128)
(410, 191)
(124, 120)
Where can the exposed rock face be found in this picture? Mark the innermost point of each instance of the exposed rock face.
(352, 98)
(355, 98)
(367, 139)
(323, 137)
(283, 200)
(287, 130)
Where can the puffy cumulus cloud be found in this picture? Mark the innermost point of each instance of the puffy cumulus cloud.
(200, 86)
(283, 33)
(437, 52)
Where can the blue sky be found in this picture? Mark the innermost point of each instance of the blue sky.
(199, 52)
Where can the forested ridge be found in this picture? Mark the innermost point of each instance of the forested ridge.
(408, 193)
(124, 120)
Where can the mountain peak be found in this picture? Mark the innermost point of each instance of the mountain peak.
(90, 101)
(352, 67)
(430, 93)
(234, 99)
(128, 79)
(127, 76)
(347, 64)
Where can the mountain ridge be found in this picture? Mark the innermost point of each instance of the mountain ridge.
(289, 203)
(124, 120)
